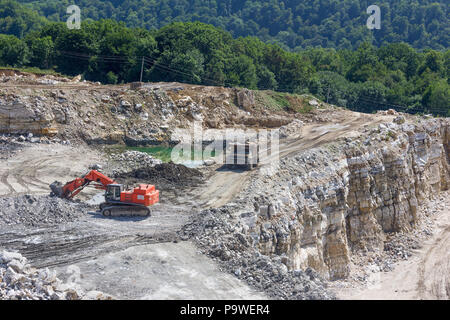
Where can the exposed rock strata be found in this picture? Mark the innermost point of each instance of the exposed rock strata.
(324, 203)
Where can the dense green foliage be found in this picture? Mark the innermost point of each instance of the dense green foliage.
(18, 20)
(365, 79)
(327, 23)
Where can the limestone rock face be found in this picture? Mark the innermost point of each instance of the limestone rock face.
(145, 115)
(326, 204)
(245, 99)
(20, 116)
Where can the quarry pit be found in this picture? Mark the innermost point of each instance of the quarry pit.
(354, 205)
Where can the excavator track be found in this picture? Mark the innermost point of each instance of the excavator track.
(125, 211)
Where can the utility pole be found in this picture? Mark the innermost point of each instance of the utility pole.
(142, 68)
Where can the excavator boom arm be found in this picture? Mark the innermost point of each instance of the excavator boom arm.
(72, 188)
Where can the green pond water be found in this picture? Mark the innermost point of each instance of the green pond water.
(164, 153)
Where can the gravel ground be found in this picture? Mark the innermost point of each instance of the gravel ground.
(40, 210)
(8, 149)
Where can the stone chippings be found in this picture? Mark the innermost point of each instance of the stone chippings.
(291, 129)
(8, 149)
(10, 144)
(39, 210)
(223, 237)
(19, 281)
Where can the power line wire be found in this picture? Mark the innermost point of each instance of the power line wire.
(152, 61)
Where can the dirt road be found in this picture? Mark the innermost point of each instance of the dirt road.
(223, 185)
(426, 275)
(35, 167)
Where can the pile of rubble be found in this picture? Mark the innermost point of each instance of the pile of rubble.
(19, 281)
(34, 210)
(166, 176)
(401, 245)
(222, 237)
(398, 246)
(30, 78)
(8, 149)
(132, 160)
(30, 138)
(291, 129)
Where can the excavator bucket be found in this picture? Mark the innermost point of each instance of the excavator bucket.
(57, 189)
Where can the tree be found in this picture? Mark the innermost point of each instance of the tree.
(290, 23)
(266, 79)
(371, 96)
(433, 62)
(13, 52)
(18, 20)
(241, 72)
(437, 98)
(111, 78)
(42, 51)
(333, 88)
(365, 65)
(181, 67)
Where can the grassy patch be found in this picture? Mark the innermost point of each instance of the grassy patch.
(271, 100)
(164, 153)
(34, 70)
(280, 101)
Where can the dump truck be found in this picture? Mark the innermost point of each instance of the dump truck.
(241, 155)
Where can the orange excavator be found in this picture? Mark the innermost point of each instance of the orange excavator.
(118, 202)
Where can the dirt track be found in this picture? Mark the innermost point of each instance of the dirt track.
(224, 185)
(426, 275)
(35, 167)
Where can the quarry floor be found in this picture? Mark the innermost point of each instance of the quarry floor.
(133, 258)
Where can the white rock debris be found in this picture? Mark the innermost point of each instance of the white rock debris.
(20, 281)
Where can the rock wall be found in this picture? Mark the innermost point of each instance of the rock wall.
(117, 114)
(19, 117)
(324, 204)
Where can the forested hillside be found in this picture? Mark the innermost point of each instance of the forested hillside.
(292, 23)
(365, 79)
(17, 20)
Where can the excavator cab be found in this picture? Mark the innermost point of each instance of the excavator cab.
(113, 192)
